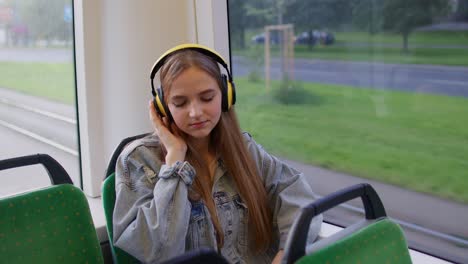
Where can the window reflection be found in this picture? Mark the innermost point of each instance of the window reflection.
(37, 89)
(377, 93)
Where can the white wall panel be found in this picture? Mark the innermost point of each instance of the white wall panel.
(116, 45)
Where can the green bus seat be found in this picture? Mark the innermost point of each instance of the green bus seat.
(48, 225)
(108, 199)
(377, 239)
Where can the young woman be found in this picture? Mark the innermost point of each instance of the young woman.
(198, 181)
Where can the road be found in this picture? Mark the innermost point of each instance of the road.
(50, 122)
(30, 125)
(36, 55)
(446, 80)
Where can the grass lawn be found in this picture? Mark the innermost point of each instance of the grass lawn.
(434, 56)
(440, 37)
(413, 140)
(450, 57)
(374, 52)
(54, 81)
(418, 37)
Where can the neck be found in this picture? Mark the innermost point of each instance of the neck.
(208, 155)
(202, 145)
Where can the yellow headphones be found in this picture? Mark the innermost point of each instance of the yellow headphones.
(227, 90)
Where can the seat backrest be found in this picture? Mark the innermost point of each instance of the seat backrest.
(108, 199)
(377, 239)
(48, 225)
(376, 242)
(51, 225)
(115, 155)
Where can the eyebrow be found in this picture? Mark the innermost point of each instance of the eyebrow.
(179, 97)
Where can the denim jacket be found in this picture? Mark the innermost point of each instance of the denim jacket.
(154, 219)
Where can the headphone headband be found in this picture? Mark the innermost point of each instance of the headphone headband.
(227, 89)
(191, 46)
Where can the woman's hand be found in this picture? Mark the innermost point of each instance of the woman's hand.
(278, 257)
(174, 144)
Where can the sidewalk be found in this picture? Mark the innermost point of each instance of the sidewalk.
(428, 211)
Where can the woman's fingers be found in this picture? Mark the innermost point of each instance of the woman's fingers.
(161, 127)
(156, 120)
(165, 121)
(175, 145)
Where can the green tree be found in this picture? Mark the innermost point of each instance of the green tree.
(44, 18)
(399, 16)
(319, 14)
(309, 15)
(461, 13)
(237, 22)
(257, 14)
(247, 14)
(403, 16)
(367, 15)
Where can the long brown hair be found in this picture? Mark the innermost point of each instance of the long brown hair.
(228, 143)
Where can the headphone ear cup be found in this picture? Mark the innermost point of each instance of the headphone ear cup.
(155, 104)
(224, 93)
(232, 91)
(228, 93)
(160, 105)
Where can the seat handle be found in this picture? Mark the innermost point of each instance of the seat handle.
(297, 237)
(57, 174)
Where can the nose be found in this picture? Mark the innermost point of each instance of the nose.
(195, 110)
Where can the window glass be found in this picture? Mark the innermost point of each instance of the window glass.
(364, 91)
(37, 90)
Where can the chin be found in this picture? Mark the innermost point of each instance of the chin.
(199, 134)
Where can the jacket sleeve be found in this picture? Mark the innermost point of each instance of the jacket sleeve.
(152, 211)
(287, 191)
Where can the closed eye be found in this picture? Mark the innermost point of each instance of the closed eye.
(179, 103)
(208, 95)
(207, 98)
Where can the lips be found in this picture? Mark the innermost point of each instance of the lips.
(198, 124)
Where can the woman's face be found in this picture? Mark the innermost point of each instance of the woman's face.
(195, 102)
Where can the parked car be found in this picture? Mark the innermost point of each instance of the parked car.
(260, 38)
(314, 36)
(326, 38)
(305, 38)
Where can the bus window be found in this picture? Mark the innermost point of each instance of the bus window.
(352, 91)
(37, 89)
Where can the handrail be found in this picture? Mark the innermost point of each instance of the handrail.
(298, 235)
(57, 174)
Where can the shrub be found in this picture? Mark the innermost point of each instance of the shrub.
(291, 92)
(256, 63)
